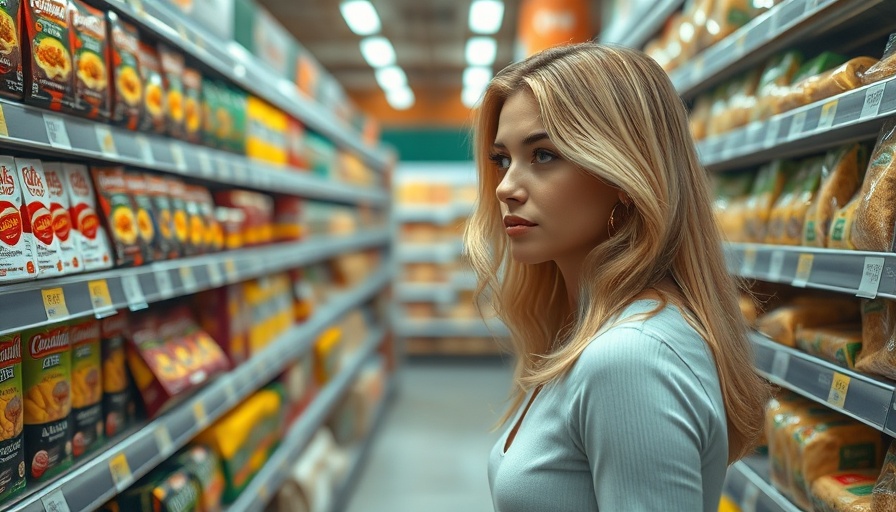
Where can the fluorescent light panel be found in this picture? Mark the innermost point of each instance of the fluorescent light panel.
(477, 77)
(401, 98)
(486, 16)
(360, 16)
(470, 96)
(391, 78)
(481, 51)
(378, 51)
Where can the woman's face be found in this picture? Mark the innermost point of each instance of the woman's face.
(553, 211)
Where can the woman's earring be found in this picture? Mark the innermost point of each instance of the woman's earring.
(611, 225)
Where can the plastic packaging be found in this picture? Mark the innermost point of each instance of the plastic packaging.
(796, 95)
(839, 344)
(842, 173)
(878, 355)
(844, 77)
(774, 82)
(782, 323)
(883, 497)
(767, 188)
(875, 223)
(803, 197)
(884, 68)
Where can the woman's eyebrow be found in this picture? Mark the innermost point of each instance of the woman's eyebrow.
(528, 140)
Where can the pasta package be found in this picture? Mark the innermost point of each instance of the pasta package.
(12, 83)
(883, 496)
(48, 81)
(781, 324)
(842, 173)
(878, 355)
(838, 344)
(88, 43)
(767, 188)
(875, 221)
(173, 72)
(884, 68)
(840, 234)
(803, 197)
(153, 115)
(127, 90)
(844, 491)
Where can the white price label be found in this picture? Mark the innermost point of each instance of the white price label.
(230, 393)
(828, 112)
(240, 172)
(749, 263)
(105, 140)
(163, 440)
(205, 164)
(776, 265)
(780, 364)
(873, 97)
(145, 149)
(797, 125)
(55, 502)
(56, 132)
(177, 154)
(215, 276)
(771, 136)
(188, 279)
(874, 267)
(803, 270)
(133, 292)
(163, 283)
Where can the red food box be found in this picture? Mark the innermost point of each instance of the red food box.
(224, 316)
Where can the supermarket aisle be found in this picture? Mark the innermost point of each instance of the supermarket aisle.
(431, 452)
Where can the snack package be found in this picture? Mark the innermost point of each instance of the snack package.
(878, 355)
(12, 465)
(192, 81)
(167, 243)
(89, 50)
(147, 222)
(153, 115)
(213, 234)
(875, 221)
(781, 324)
(88, 230)
(119, 215)
(780, 211)
(46, 367)
(883, 496)
(844, 491)
(118, 404)
(12, 79)
(224, 316)
(173, 73)
(60, 210)
(127, 93)
(767, 188)
(803, 197)
(192, 198)
(48, 81)
(177, 192)
(725, 17)
(774, 83)
(165, 489)
(204, 468)
(844, 169)
(842, 78)
(87, 386)
(798, 94)
(840, 235)
(885, 67)
(17, 250)
(37, 218)
(838, 344)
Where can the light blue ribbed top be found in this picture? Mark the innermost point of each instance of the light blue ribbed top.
(637, 425)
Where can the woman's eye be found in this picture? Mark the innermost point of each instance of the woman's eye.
(543, 157)
(502, 162)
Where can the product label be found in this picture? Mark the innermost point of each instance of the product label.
(89, 48)
(61, 217)
(116, 394)
(87, 389)
(128, 85)
(37, 219)
(88, 231)
(12, 456)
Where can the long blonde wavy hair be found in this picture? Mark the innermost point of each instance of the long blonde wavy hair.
(614, 113)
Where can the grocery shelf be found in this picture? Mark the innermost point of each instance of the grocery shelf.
(239, 66)
(642, 25)
(437, 328)
(864, 274)
(23, 304)
(747, 483)
(786, 24)
(453, 347)
(91, 483)
(257, 494)
(858, 396)
(442, 215)
(52, 134)
(428, 292)
(436, 252)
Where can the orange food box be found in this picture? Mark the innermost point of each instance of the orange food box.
(47, 50)
(119, 215)
(91, 76)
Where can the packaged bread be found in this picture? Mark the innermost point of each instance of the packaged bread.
(878, 355)
(875, 220)
(748, 308)
(839, 344)
(780, 212)
(767, 187)
(803, 197)
(699, 118)
(844, 491)
(725, 17)
(731, 198)
(717, 119)
(840, 234)
(842, 78)
(784, 417)
(842, 171)
(742, 101)
(885, 67)
(797, 94)
(883, 496)
(775, 81)
(781, 324)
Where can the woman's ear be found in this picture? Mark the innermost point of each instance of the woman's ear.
(625, 199)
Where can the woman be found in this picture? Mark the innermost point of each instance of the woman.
(634, 387)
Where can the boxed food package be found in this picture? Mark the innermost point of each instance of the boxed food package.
(192, 81)
(237, 104)
(119, 409)
(288, 218)
(12, 83)
(17, 250)
(88, 38)
(37, 218)
(119, 215)
(875, 222)
(781, 324)
(127, 93)
(203, 466)
(327, 354)
(60, 210)
(192, 198)
(89, 232)
(213, 234)
(224, 316)
(147, 223)
(167, 246)
(883, 496)
(844, 491)
(295, 144)
(12, 464)
(154, 93)
(211, 102)
(173, 73)
(266, 134)
(884, 68)
(256, 212)
(166, 489)
(839, 344)
(179, 218)
(87, 386)
(842, 173)
(46, 382)
(48, 81)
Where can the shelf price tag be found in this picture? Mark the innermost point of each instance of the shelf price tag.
(871, 273)
(839, 387)
(55, 502)
(215, 276)
(188, 279)
(145, 149)
(797, 125)
(780, 364)
(105, 140)
(133, 292)
(873, 97)
(828, 112)
(803, 270)
(56, 132)
(163, 440)
(4, 131)
(100, 298)
(163, 283)
(121, 472)
(177, 154)
(205, 163)
(776, 265)
(199, 415)
(54, 303)
(230, 268)
(771, 136)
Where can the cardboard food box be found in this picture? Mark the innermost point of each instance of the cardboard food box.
(119, 409)
(119, 215)
(12, 462)
(60, 209)
(154, 97)
(147, 223)
(48, 80)
(12, 80)
(173, 71)
(37, 218)
(215, 130)
(17, 260)
(166, 489)
(192, 81)
(46, 379)
(192, 198)
(288, 219)
(223, 315)
(168, 246)
(87, 228)
(213, 235)
(87, 386)
(127, 89)
(88, 38)
(177, 191)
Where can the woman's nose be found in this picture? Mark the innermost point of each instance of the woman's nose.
(511, 188)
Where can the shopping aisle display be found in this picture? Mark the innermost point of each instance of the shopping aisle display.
(196, 258)
(792, 106)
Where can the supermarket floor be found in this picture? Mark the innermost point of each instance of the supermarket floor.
(431, 451)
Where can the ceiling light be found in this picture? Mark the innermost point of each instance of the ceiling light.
(391, 78)
(470, 96)
(401, 98)
(360, 16)
(481, 51)
(378, 51)
(486, 16)
(477, 77)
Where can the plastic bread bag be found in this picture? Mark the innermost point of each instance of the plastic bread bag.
(743, 100)
(781, 324)
(718, 113)
(726, 17)
(782, 424)
(779, 412)
(767, 188)
(797, 95)
(839, 344)
(731, 192)
(886, 67)
(842, 78)
(842, 173)
(844, 491)
(775, 81)
(875, 221)
(780, 213)
(883, 496)
(878, 355)
(699, 118)
(803, 196)
(840, 234)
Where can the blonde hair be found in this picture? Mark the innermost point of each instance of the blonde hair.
(613, 112)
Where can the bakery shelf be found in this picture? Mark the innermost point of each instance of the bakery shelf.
(440, 215)
(90, 484)
(23, 303)
(256, 495)
(636, 29)
(52, 134)
(858, 396)
(789, 23)
(429, 292)
(747, 483)
(239, 66)
(437, 328)
(864, 274)
(438, 252)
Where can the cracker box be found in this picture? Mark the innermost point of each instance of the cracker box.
(168, 246)
(192, 81)
(37, 218)
(47, 52)
(60, 209)
(88, 36)
(12, 79)
(173, 71)
(127, 85)
(87, 386)
(154, 101)
(119, 215)
(147, 223)
(180, 219)
(88, 231)
(12, 455)
(119, 409)
(17, 249)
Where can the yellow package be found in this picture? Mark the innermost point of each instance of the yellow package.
(844, 491)
(781, 324)
(803, 196)
(780, 210)
(87, 386)
(838, 344)
(767, 187)
(842, 174)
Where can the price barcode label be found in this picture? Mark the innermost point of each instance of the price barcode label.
(873, 97)
(749, 264)
(871, 273)
(54, 303)
(771, 136)
(776, 265)
(188, 279)
(55, 502)
(230, 268)
(145, 149)
(163, 283)
(205, 164)
(105, 140)
(803, 270)
(163, 440)
(780, 364)
(199, 415)
(121, 472)
(839, 388)
(56, 132)
(215, 276)
(828, 112)
(4, 130)
(133, 292)
(100, 298)
(797, 125)
(177, 154)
